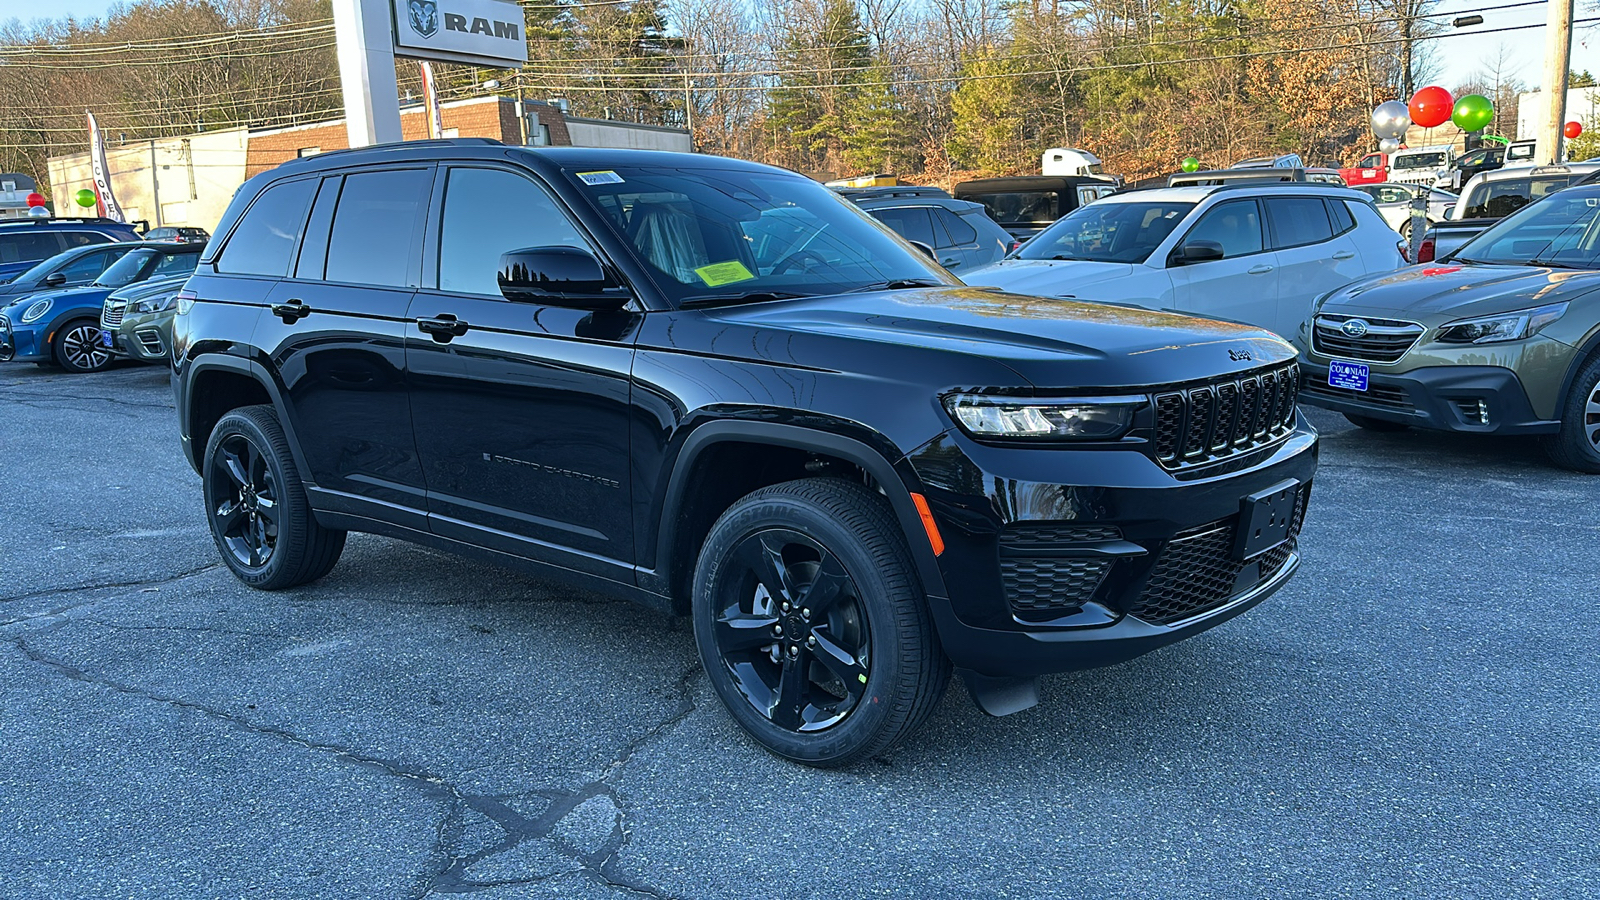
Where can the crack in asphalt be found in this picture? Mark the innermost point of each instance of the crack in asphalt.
(599, 865)
(107, 586)
(51, 397)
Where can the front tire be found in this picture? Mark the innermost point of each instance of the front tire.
(77, 347)
(1372, 424)
(811, 623)
(256, 504)
(1577, 445)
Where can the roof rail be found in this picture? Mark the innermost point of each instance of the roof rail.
(406, 145)
(892, 191)
(76, 220)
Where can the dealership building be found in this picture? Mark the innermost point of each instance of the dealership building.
(188, 180)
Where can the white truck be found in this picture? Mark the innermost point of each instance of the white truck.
(1069, 161)
(1421, 165)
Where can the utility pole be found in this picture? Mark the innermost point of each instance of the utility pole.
(155, 183)
(1557, 63)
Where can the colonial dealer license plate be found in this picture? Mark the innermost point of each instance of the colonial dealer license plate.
(1348, 375)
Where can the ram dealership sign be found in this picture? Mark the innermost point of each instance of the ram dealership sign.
(480, 32)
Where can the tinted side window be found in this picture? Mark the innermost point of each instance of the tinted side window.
(911, 223)
(471, 239)
(1236, 225)
(374, 225)
(265, 238)
(174, 264)
(84, 269)
(28, 247)
(1340, 214)
(83, 238)
(1499, 199)
(960, 232)
(1298, 221)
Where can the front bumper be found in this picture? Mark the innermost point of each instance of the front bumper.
(22, 342)
(1467, 399)
(1045, 576)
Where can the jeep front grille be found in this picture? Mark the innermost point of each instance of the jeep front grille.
(1384, 341)
(1213, 420)
(1196, 572)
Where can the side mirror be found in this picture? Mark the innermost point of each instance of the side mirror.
(560, 276)
(926, 250)
(55, 279)
(1198, 252)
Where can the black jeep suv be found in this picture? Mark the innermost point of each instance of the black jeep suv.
(718, 388)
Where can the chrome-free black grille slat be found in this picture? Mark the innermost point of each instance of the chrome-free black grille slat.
(1212, 420)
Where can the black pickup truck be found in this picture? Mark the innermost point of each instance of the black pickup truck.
(717, 388)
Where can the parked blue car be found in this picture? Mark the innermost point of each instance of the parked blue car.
(24, 242)
(63, 326)
(77, 267)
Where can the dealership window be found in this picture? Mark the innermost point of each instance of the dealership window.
(303, 152)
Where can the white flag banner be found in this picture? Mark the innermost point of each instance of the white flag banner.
(105, 200)
(430, 98)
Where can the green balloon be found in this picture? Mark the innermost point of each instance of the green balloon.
(1473, 112)
(1190, 164)
(85, 198)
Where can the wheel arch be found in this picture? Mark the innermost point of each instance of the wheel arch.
(216, 384)
(1586, 351)
(682, 524)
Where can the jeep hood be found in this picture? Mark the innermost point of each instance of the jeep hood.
(1049, 344)
(1435, 294)
(1047, 277)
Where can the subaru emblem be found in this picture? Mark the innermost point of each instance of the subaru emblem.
(1354, 327)
(423, 16)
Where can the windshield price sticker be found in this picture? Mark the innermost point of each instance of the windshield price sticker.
(719, 274)
(594, 178)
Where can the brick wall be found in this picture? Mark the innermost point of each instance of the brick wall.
(489, 117)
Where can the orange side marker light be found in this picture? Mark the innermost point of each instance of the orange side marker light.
(928, 525)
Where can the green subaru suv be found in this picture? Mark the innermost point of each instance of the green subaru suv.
(1500, 337)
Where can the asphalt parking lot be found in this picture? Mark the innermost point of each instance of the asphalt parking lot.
(1416, 715)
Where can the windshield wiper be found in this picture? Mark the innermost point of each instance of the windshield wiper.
(895, 284)
(1552, 264)
(732, 299)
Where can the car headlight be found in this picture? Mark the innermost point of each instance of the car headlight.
(35, 311)
(1063, 419)
(155, 304)
(1513, 326)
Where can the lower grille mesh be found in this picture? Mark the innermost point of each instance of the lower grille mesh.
(1038, 584)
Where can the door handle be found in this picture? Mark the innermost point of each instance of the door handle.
(292, 311)
(443, 328)
(950, 262)
(1344, 254)
(1260, 270)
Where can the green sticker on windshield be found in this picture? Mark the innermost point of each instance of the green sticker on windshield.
(719, 274)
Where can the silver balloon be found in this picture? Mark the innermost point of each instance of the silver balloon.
(1388, 145)
(1391, 119)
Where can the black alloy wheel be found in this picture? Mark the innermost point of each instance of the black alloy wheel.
(257, 507)
(244, 512)
(812, 625)
(78, 348)
(1577, 445)
(791, 631)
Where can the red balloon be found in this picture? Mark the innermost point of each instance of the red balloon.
(1431, 106)
(1572, 130)
(36, 200)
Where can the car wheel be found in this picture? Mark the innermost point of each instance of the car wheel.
(812, 626)
(1372, 424)
(1577, 445)
(260, 517)
(77, 347)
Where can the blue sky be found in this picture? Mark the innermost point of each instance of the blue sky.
(1458, 56)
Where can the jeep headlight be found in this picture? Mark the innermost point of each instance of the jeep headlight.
(35, 311)
(156, 304)
(1059, 419)
(1513, 326)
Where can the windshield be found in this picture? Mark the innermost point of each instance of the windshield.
(146, 263)
(1019, 207)
(1561, 230)
(709, 234)
(1419, 161)
(1108, 232)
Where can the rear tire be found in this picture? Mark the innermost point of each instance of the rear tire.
(260, 517)
(77, 347)
(811, 623)
(1372, 424)
(1577, 445)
